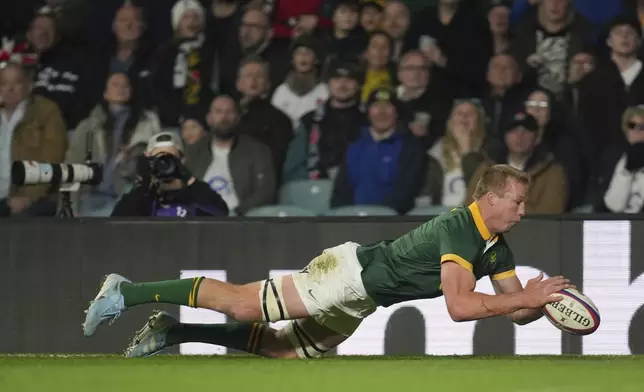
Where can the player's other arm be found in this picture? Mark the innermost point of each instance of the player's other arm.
(463, 304)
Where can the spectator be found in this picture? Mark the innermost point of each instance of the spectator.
(395, 22)
(503, 97)
(302, 90)
(321, 141)
(558, 135)
(31, 128)
(236, 166)
(253, 39)
(346, 37)
(548, 188)
(379, 72)
(498, 17)
(616, 83)
(370, 15)
(385, 165)
(546, 41)
(454, 158)
(175, 194)
(596, 11)
(193, 125)
(458, 43)
(621, 179)
(58, 71)
(182, 75)
(293, 18)
(423, 103)
(127, 53)
(114, 135)
(222, 22)
(581, 65)
(259, 118)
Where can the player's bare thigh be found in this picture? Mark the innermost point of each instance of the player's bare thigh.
(303, 338)
(244, 302)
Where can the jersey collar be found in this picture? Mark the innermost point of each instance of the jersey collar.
(478, 220)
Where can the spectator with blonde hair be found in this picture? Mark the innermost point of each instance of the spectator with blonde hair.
(454, 157)
(621, 181)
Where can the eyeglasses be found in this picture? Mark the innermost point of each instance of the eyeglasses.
(634, 125)
(537, 104)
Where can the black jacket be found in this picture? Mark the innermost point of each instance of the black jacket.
(466, 43)
(196, 200)
(139, 73)
(61, 77)
(169, 100)
(264, 122)
(338, 128)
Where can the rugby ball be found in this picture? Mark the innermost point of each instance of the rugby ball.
(575, 313)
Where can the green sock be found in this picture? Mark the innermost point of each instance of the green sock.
(239, 336)
(177, 292)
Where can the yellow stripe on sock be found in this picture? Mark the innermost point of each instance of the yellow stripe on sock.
(249, 346)
(257, 336)
(195, 285)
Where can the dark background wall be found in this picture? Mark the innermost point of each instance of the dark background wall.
(50, 270)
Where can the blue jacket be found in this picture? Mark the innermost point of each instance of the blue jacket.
(387, 172)
(596, 11)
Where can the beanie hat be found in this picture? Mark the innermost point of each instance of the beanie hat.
(183, 6)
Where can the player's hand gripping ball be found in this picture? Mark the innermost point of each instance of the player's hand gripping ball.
(575, 313)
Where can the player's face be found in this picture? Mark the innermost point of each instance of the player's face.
(511, 207)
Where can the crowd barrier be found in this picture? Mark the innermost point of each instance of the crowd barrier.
(50, 269)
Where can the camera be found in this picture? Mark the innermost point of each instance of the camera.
(32, 172)
(164, 166)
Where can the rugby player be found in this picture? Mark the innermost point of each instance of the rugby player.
(328, 299)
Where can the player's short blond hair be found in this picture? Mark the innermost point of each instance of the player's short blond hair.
(494, 179)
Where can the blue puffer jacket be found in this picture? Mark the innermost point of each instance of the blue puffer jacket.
(388, 172)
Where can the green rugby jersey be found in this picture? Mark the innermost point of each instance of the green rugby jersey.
(410, 267)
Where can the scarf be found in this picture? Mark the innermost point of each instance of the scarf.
(187, 73)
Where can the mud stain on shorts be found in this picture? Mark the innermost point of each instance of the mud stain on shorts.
(322, 265)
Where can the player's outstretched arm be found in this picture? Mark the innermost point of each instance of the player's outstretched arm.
(512, 285)
(463, 304)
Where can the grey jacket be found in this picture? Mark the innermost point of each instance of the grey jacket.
(90, 133)
(251, 168)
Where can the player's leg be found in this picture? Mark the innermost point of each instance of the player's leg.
(267, 300)
(303, 338)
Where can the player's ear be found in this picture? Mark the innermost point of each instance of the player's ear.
(492, 198)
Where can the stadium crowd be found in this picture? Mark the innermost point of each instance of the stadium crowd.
(397, 103)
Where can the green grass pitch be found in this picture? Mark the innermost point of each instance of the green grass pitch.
(44, 373)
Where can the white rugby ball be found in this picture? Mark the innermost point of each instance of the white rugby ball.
(575, 313)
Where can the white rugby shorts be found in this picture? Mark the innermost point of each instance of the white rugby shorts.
(332, 290)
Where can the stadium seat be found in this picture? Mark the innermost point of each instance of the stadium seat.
(585, 209)
(278, 211)
(362, 211)
(428, 211)
(312, 195)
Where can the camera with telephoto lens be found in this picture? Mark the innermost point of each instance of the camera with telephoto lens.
(164, 166)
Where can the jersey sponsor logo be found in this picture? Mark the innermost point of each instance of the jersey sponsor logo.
(492, 257)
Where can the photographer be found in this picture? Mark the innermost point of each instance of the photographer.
(167, 188)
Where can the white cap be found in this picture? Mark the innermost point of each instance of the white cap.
(184, 6)
(165, 139)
